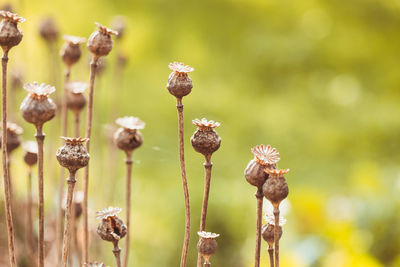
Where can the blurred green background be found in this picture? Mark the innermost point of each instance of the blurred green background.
(316, 79)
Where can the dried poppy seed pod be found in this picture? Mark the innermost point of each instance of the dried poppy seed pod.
(128, 137)
(31, 152)
(111, 227)
(10, 35)
(37, 107)
(179, 83)
(119, 25)
(13, 137)
(48, 30)
(100, 42)
(265, 157)
(71, 51)
(269, 228)
(76, 100)
(276, 189)
(205, 140)
(73, 155)
(207, 244)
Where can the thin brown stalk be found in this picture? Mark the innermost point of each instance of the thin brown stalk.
(7, 196)
(76, 124)
(117, 253)
(128, 162)
(259, 196)
(67, 227)
(76, 244)
(40, 140)
(185, 248)
(207, 166)
(93, 66)
(64, 131)
(276, 235)
(29, 244)
(271, 256)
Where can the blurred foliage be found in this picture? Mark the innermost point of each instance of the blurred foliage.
(316, 79)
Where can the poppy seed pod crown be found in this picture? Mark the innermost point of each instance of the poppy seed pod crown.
(73, 155)
(276, 189)
(205, 140)
(128, 137)
(10, 35)
(179, 83)
(100, 42)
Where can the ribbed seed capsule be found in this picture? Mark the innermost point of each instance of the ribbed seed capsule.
(71, 51)
(179, 83)
(207, 244)
(73, 155)
(10, 35)
(111, 227)
(128, 137)
(205, 140)
(276, 188)
(100, 42)
(76, 100)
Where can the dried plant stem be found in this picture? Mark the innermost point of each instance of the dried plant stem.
(76, 124)
(207, 166)
(259, 196)
(7, 196)
(128, 163)
(76, 244)
(40, 140)
(93, 66)
(271, 256)
(64, 131)
(67, 227)
(117, 253)
(29, 221)
(179, 107)
(276, 235)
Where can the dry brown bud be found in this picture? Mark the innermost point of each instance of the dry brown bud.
(76, 100)
(268, 228)
(10, 35)
(128, 137)
(73, 155)
(71, 50)
(276, 189)
(31, 152)
(48, 30)
(111, 227)
(179, 83)
(13, 136)
(207, 244)
(205, 140)
(100, 42)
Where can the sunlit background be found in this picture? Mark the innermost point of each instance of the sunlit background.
(316, 79)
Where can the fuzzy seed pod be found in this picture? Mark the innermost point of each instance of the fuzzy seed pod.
(205, 140)
(48, 30)
(31, 152)
(37, 107)
(13, 137)
(179, 83)
(276, 188)
(207, 244)
(76, 100)
(128, 137)
(111, 227)
(10, 35)
(73, 155)
(265, 157)
(100, 42)
(71, 51)
(269, 228)
(119, 25)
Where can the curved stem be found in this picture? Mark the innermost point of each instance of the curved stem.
(128, 162)
(259, 196)
(179, 107)
(93, 66)
(207, 166)
(67, 227)
(271, 256)
(276, 235)
(40, 139)
(117, 253)
(7, 196)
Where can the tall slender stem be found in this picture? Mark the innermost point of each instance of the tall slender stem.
(64, 131)
(93, 66)
(128, 162)
(76, 124)
(7, 196)
(179, 107)
(117, 253)
(67, 227)
(29, 221)
(271, 256)
(207, 166)
(259, 196)
(276, 235)
(40, 139)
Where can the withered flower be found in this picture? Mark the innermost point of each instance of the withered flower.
(37, 107)
(10, 35)
(73, 155)
(276, 188)
(100, 42)
(179, 83)
(13, 137)
(111, 227)
(48, 29)
(207, 245)
(76, 100)
(205, 140)
(265, 157)
(269, 228)
(71, 51)
(31, 152)
(128, 137)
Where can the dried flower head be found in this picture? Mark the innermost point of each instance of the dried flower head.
(71, 50)
(48, 29)
(76, 100)
(205, 140)
(100, 42)
(31, 152)
(265, 155)
(128, 137)
(208, 235)
(10, 35)
(276, 189)
(73, 155)
(179, 83)
(276, 173)
(204, 124)
(37, 90)
(119, 24)
(207, 244)
(130, 123)
(13, 137)
(111, 227)
(94, 264)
